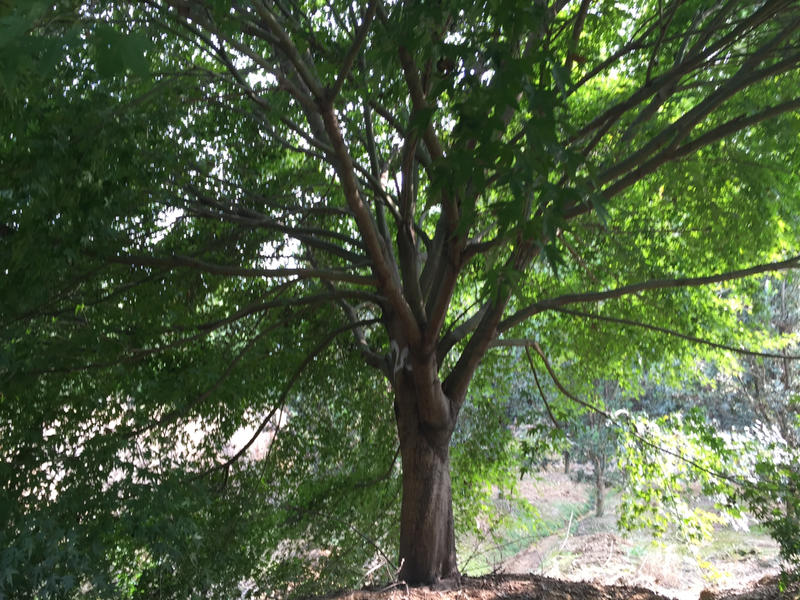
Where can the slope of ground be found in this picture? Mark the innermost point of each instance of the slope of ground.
(573, 555)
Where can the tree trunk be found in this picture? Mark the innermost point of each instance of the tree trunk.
(599, 488)
(427, 535)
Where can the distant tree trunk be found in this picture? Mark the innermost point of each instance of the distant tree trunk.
(566, 462)
(599, 486)
(427, 534)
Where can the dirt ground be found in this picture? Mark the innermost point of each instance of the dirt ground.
(535, 587)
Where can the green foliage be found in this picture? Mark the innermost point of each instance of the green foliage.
(676, 457)
(769, 466)
(485, 456)
(667, 462)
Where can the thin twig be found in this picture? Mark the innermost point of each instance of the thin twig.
(541, 392)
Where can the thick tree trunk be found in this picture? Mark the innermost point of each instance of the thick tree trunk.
(427, 535)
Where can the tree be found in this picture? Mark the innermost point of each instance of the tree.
(211, 194)
(767, 389)
(577, 429)
(595, 439)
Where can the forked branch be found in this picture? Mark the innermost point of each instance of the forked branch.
(352, 53)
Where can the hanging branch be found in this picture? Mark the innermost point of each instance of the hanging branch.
(541, 391)
(649, 285)
(281, 402)
(672, 332)
(177, 413)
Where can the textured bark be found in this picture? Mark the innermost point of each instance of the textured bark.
(427, 536)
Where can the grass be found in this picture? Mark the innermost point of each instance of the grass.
(731, 544)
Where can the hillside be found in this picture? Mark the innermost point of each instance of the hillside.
(588, 558)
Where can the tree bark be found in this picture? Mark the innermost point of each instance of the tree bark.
(427, 535)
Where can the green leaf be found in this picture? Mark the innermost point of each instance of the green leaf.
(117, 52)
(598, 203)
(562, 78)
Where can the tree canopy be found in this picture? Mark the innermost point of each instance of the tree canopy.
(312, 222)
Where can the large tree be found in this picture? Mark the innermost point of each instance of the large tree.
(208, 196)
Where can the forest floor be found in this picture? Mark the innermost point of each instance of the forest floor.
(573, 555)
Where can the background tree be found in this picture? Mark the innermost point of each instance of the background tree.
(595, 438)
(767, 389)
(209, 197)
(554, 421)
